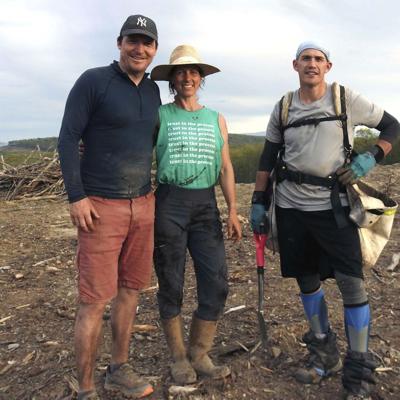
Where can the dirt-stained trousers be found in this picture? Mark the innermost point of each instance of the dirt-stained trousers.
(189, 219)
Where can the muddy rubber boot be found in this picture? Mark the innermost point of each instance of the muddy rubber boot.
(182, 371)
(201, 340)
(358, 375)
(324, 358)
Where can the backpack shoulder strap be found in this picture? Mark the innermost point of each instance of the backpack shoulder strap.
(284, 105)
(336, 98)
(339, 99)
(339, 103)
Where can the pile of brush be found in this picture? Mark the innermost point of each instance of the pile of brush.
(39, 179)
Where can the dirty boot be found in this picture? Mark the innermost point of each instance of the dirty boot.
(201, 340)
(125, 383)
(88, 395)
(358, 375)
(324, 358)
(181, 370)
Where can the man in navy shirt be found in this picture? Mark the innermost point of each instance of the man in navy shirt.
(113, 110)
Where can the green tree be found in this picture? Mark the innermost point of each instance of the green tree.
(245, 161)
(366, 138)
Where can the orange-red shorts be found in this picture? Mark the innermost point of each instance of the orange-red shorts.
(119, 251)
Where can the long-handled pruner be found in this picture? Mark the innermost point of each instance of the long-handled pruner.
(260, 239)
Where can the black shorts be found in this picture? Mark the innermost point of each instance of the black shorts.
(310, 242)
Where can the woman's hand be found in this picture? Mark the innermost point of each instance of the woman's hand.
(234, 227)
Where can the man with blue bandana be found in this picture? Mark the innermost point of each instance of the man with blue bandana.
(316, 238)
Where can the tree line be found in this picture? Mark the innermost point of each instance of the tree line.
(50, 143)
(44, 144)
(245, 158)
(245, 150)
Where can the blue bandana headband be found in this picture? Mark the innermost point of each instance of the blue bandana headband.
(312, 45)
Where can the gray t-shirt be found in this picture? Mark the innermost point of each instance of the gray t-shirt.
(317, 150)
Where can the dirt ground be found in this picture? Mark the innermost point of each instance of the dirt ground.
(38, 302)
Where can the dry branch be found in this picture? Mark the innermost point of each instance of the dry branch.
(6, 318)
(144, 328)
(232, 348)
(32, 180)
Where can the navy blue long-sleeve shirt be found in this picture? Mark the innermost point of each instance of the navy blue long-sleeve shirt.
(116, 121)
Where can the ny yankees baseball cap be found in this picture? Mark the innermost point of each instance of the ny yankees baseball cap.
(139, 24)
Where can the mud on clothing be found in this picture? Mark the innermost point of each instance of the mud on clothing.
(317, 150)
(188, 149)
(116, 120)
(118, 252)
(189, 161)
(310, 243)
(189, 219)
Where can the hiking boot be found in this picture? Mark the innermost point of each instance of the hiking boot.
(323, 361)
(124, 381)
(352, 396)
(201, 340)
(358, 375)
(89, 395)
(182, 371)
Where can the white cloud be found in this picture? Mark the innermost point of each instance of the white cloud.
(28, 30)
(46, 45)
(251, 125)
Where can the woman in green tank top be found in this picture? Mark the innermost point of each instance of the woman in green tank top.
(192, 154)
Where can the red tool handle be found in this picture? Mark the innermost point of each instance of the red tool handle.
(260, 239)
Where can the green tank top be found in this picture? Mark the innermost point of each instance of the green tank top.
(188, 149)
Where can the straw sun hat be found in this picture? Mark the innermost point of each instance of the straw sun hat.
(181, 55)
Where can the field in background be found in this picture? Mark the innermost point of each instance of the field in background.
(23, 156)
(245, 151)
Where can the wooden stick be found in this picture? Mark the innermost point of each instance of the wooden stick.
(6, 319)
(237, 308)
(44, 261)
(144, 328)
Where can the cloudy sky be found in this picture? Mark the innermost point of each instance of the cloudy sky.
(46, 45)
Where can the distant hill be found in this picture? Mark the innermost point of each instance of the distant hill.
(50, 143)
(45, 144)
(237, 139)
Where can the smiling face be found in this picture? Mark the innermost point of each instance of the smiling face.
(136, 54)
(312, 66)
(186, 80)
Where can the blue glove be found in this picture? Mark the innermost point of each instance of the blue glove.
(362, 164)
(259, 218)
(358, 168)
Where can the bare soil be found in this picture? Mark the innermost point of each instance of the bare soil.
(38, 303)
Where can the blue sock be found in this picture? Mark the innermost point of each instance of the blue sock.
(316, 311)
(357, 324)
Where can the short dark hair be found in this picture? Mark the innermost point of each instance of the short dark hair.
(171, 73)
(119, 40)
(172, 88)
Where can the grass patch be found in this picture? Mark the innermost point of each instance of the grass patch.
(19, 157)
